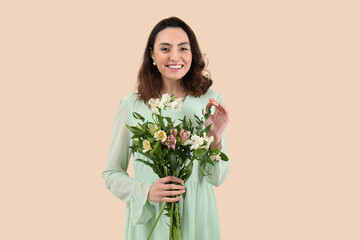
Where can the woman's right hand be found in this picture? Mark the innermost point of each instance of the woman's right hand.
(161, 192)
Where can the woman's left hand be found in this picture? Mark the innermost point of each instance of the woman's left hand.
(219, 120)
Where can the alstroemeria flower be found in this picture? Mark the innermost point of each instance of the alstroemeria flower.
(173, 132)
(160, 135)
(153, 128)
(208, 141)
(155, 110)
(154, 102)
(171, 142)
(146, 146)
(184, 135)
(176, 105)
(215, 158)
(165, 99)
(196, 141)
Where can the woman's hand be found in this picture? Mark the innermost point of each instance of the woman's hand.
(219, 120)
(161, 192)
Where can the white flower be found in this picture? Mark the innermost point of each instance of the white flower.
(155, 105)
(154, 102)
(165, 99)
(153, 128)
(196, 141)
(146, 146)
(160, 135)
(208, 140)
(155, 110)
(215, 158)
(161, 105)
(176, 105)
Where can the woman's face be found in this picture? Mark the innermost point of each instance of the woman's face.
(172, 53)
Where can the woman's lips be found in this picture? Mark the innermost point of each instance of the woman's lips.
(175, 67)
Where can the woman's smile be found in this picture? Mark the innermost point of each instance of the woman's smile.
(175, 67)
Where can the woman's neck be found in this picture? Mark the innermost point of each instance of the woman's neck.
(173, 87)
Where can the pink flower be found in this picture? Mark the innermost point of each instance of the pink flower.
(184, 135)
(173, 132)
(171, 141)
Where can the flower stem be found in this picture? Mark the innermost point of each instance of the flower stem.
(171, 220)
(177, 217)
(165, 170)
(186, 169)
(156, 221)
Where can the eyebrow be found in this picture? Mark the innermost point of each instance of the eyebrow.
(168, 44)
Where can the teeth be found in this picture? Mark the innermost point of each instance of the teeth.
(175, 66)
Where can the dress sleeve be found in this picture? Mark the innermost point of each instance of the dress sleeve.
(221, 168)
(130, 190)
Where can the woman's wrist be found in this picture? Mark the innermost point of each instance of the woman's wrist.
(216, 144)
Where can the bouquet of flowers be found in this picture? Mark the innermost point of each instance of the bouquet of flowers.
(172, 149)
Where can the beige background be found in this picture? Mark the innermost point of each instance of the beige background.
(288, 71)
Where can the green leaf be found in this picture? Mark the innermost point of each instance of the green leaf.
(134, 148)
(173, 162)
(190, 124)
(197, 118)
(201, 171)
(214, 151)
(136, 136)
(177, 171)
(161, 121)
(208, 160)
(181, 171)
(199, 152)
(206, 115)
(183, 123)
(144, 126)
(138, 116)
(188, 173)
(134, 129)
(157, 150)
(129, 127)
(168, 119)
(146, 162)
(224, 157)
(207, 129)
(164, 153)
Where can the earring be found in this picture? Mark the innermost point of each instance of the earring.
(154, 63)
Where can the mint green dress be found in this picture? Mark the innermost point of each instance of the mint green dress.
(199, 210)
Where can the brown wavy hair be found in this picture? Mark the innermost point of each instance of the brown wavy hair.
(196, 81)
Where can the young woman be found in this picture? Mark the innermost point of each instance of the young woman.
(172, 64)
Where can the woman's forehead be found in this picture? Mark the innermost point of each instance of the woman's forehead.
(172, 36)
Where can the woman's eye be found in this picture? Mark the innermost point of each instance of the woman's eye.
(165, 49)
(183, 49)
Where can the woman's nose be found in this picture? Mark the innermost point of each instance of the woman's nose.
(174, 56)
